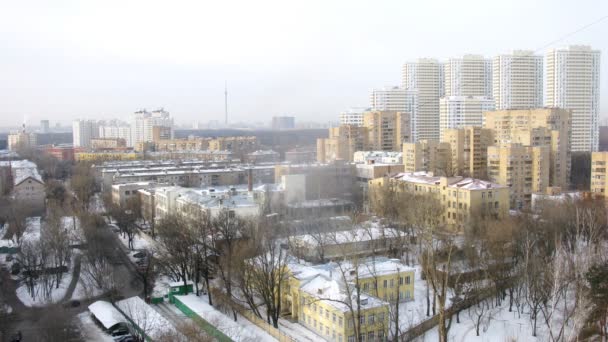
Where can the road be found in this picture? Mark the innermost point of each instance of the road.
(29, 320)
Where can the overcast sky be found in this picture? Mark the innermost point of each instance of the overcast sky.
(62, 60)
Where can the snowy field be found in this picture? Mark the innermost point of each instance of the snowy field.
(57, 294)
(240, 331)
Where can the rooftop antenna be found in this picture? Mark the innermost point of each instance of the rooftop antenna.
(226, 101)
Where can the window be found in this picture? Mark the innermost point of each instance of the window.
(351, 338)
(315, 324)
(380, 335)
(392, 283)
(407, 279)
(381, 317)
(333, 334)
(340, 321)
(362, 320)
(321, 327)
(321, 311)
(400, 280)
(314, 308)
(333, 318)
(370, 336)
(407, 294)
(327, 315)
(371, 319)
(350, 323)
(365, 287)
(327, 331)
(385, 283)
(362, 337)
(483, 195)
(340, 338)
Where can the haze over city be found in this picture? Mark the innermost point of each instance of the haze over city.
(64, 60)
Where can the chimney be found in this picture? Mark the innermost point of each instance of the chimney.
(249, 180)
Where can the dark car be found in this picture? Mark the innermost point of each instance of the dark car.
(140, 255)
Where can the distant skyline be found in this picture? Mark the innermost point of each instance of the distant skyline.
(64, 60)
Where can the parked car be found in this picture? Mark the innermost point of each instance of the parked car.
(140, 255)
(9, 258)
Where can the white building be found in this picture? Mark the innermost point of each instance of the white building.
(189, 201)
(353, 116)
(28, 187)
(378, 157)
(115, 129)
(143, 122)
(83, 131)
(517, 80)
(426, 77)
(462, 111)
(22, 139)
(469, 75)
(573, 82)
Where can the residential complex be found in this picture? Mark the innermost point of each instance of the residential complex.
(342, 143)
(517, 80)
(426, 77)
(469, 150)
(283, 122)
(353, 116)
(387, 130)
(22, 140)
(394, 99)
(523, 169)
(143, 123)
(427, 155)
(83, 131)
(573, 82)
(462, 111)
(469, 75)
(537, 127)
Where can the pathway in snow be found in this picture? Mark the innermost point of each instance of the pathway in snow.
(74, 280)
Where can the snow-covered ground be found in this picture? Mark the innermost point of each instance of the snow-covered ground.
(89, 330)
(140, 241)
(241, 330)
(149, 320)
(57, 294)
(31, 233)
(413, 312)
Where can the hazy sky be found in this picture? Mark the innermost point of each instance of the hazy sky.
(66, 59)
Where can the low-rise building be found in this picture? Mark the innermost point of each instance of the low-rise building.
(26, 184)
(365, 240)
(461, 198)
(378, 157)
(318, 299)
(121, 193)
(263, 156)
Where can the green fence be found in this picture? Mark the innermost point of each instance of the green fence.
(210, 329)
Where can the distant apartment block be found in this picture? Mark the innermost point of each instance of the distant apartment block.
(353, 116)
(83, 131)
(469, 150)
(143, 123)
(518, 80)
(283, 122)
(343, 141)
(573, 82)
(462, 111)
(428, 155)
(469, 75)
(599, 183)
(426, 77)
(387, 130)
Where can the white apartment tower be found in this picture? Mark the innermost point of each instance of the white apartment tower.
(83, 131)
(462, 111)
(426, 77)
(470, 75)
(353, 116)
(115, 129)
(517, 80)
(573, 82)
(143, 122)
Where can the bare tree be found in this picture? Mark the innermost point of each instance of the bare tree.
(176, 247)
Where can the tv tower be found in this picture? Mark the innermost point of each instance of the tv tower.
(226, 101)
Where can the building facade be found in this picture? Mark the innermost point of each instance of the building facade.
(469, 150)
(426, 77)
(427, 155)
(573, 82)
(83, 131)
(387, 130)
(522, 169)
(462, 111)
(517, 80)
(342, 143)
(469, 75)
(599, 185)
(353, 116)
(537, 127)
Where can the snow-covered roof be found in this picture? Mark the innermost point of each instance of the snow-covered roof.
(422, 177)
(149, 320)
(263, 152)
(372, 231)
(106, 314)
(334, 293)
(22, 170)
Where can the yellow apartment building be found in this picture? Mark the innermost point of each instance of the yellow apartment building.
(469, 150)
(523, 169)
(537, 127)
(342, 143)
(106, 156)
(461, 198)
(387, 130)
(427, 155)
(598, 173)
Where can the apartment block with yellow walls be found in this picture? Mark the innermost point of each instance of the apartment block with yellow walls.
(342, 143)
(523, 169)
(461, 198)
(469, 148)
(318, 298)
(106, 156)
(387, 130)
(427, 155)
(550, 127)
(599, 186)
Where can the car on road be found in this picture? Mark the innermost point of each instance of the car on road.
(114, 227)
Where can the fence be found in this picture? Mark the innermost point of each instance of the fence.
(250, 316)
(210, 329)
